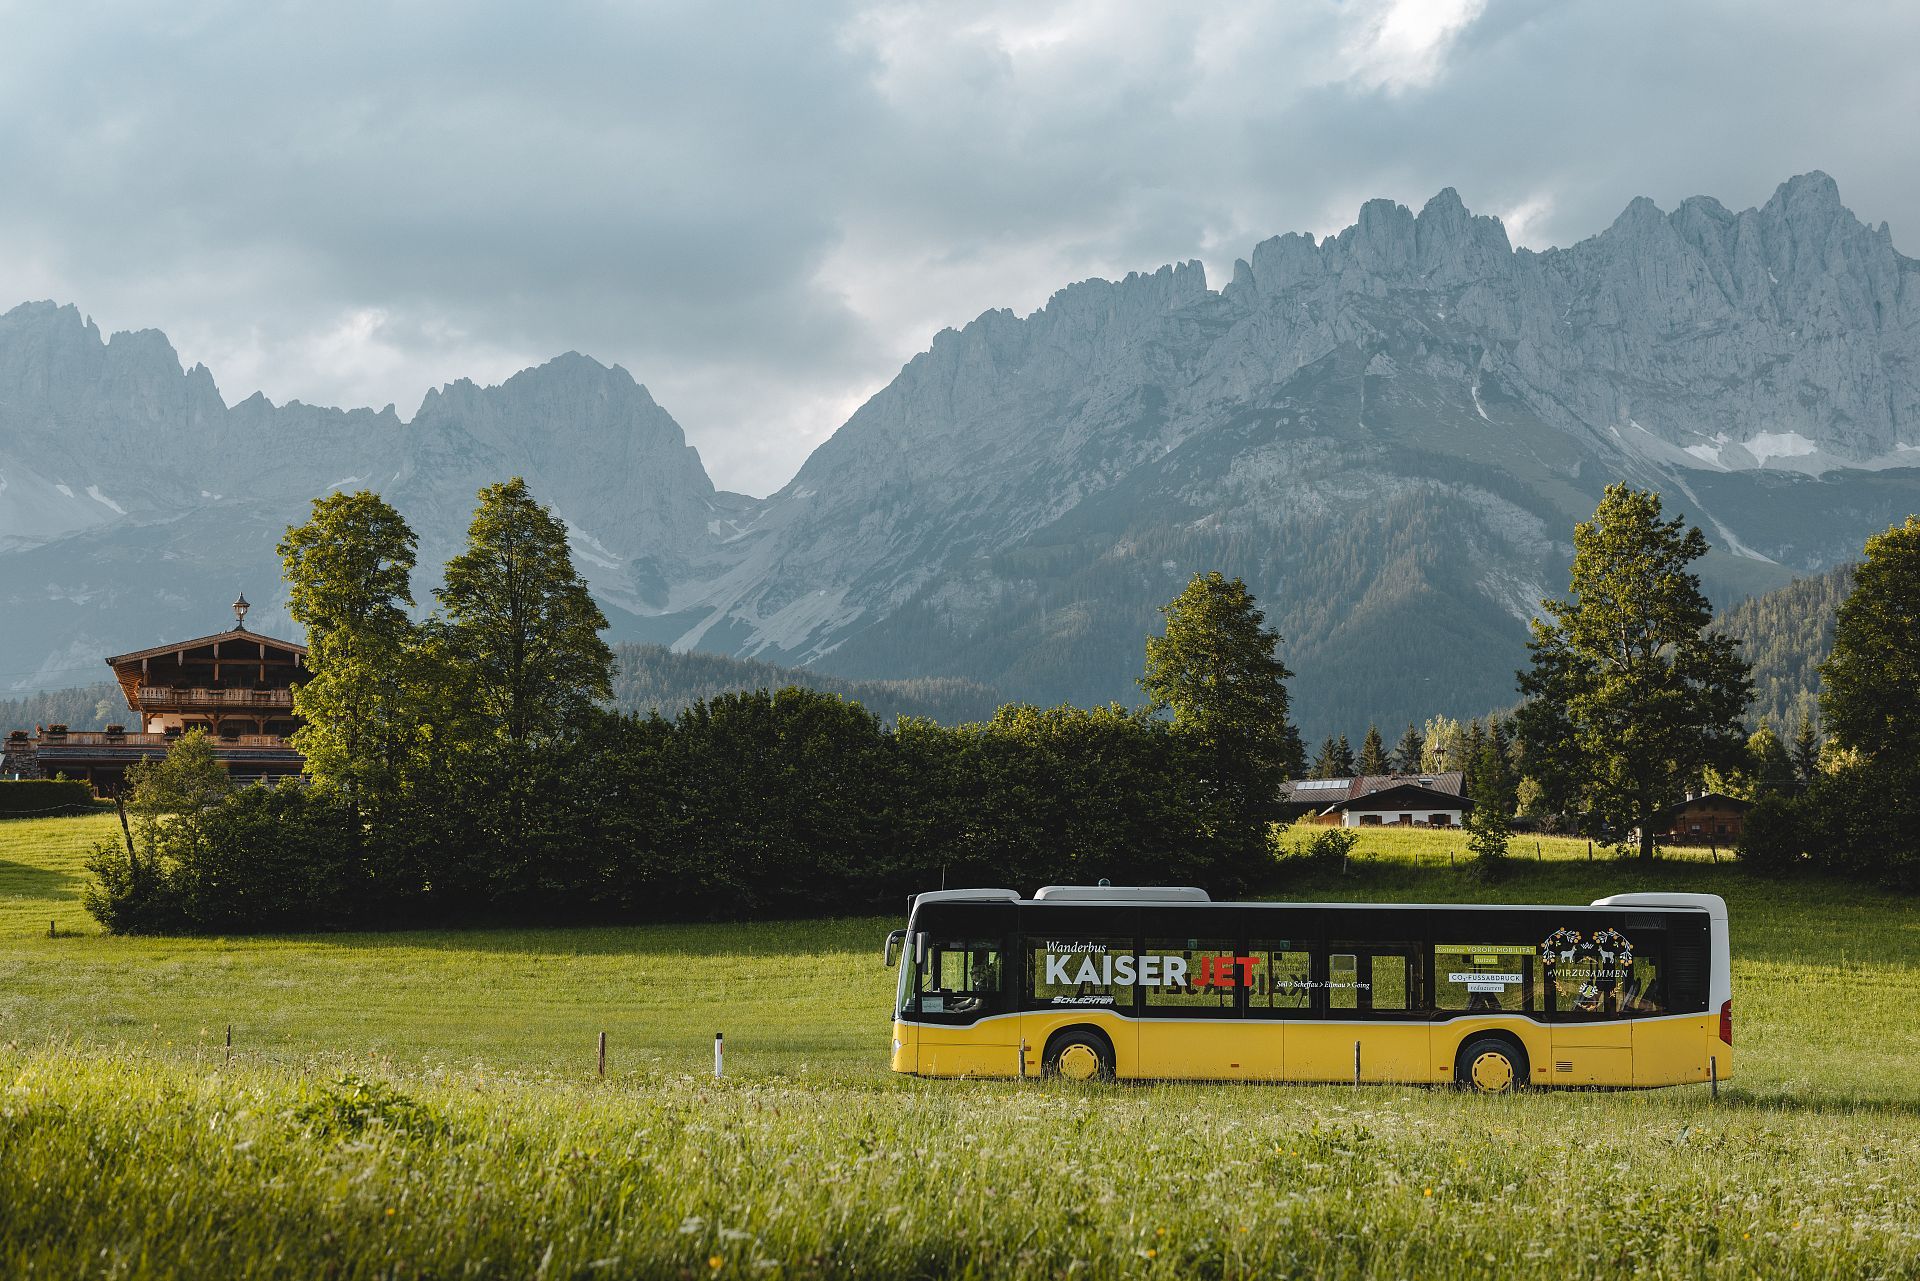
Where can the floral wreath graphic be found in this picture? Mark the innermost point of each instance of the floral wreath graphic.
(1565, 946)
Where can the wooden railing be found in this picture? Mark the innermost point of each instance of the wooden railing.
(166, 696)
(100, 738)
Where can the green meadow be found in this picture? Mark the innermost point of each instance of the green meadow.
(427, 1104)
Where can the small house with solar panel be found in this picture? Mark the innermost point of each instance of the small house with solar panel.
(1380, 800)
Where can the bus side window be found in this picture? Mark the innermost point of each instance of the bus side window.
(1095, 973)
(1483, 978)
(1191, 975)
(1645, 994)
(1391, 983)
(1282, 982)
(1343, 981)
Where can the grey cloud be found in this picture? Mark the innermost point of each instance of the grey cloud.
(760, 210)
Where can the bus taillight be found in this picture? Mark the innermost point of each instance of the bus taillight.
(1726, 1021)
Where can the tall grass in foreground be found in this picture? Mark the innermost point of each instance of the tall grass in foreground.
(143, 1167)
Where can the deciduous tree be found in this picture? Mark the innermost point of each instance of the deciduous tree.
(1870, 685)
(348, 573)
(1768, 767)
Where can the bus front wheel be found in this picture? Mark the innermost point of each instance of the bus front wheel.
(1491, 1065)
(1080, 1056)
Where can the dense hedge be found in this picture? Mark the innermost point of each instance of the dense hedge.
(1860, 821)
(746, 805)
(43, 796)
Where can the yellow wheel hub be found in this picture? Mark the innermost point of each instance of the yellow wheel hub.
(1492, 1072)
(1079, 1063)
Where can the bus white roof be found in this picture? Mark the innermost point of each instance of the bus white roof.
(1712, 904)
(1122, 894)
(1143, 895)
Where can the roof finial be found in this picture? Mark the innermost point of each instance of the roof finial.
(240, 608)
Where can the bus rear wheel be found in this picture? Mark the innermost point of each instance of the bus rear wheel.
(1490, 1065)
(1079, 1056)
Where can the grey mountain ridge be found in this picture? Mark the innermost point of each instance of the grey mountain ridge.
(1389, 432)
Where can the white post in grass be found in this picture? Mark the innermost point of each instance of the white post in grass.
(719, 1054)
(1713, 1077)
(1356, 1062)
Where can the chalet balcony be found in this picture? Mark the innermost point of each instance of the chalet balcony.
(158, 696)
(105, 738)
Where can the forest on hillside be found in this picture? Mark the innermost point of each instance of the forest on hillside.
(1786, 634)
(653, 677)
(82, 707)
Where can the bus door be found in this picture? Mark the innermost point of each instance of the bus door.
(1371, 997)
(1585, 964)
(1281, 1003)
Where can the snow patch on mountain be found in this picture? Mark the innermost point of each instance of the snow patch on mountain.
(1768, 445)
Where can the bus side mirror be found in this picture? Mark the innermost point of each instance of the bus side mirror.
(920, 947)
(894, 939)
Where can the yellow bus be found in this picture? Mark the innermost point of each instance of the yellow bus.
(1162, 983)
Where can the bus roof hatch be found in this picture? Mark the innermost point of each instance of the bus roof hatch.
(1123, 894)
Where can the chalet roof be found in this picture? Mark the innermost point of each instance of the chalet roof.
(232, 634)
(1714, 800)
(1326, 793)
(1407, 794)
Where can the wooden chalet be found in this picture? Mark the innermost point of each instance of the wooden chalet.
(1712, 818)
(1385, 800)
(236, 685)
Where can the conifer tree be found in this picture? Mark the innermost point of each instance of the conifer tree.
(1806, 751)
(1490, 824)
(1471, 741)
(1406, 757)
(519, 622)
(1342, 759)
(1629, 694)
(1326, 762)
(1373, 754)
(1217, 670)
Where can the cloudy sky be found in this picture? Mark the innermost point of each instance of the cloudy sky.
(762, 210)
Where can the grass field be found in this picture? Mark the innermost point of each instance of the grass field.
(129, 1146)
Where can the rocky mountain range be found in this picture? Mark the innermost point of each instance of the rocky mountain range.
(1388, 432)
